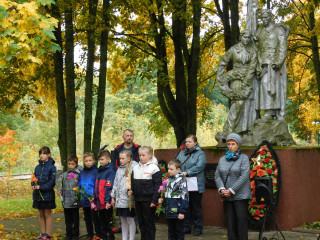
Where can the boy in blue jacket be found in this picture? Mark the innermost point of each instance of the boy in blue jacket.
(86, 183)
(103, 187)
(175, 200)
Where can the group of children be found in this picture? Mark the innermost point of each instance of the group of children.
(133, 189)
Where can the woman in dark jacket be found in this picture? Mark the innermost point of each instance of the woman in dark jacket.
(193, 162)
(43, 182)
(233, 183)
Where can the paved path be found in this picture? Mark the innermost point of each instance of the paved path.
(31, 224)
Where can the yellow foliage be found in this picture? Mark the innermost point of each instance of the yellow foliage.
(9, 148)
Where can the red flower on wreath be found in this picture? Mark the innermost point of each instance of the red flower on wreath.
(262, 152)
(252, 173)
(269, 171)
(267, 160)
(261, 172)
(253, 186)
(257, 212)
(163, 170)
(262, 206)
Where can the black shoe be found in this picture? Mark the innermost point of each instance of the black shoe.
(187, 232)
(197, 233)
(137, 231)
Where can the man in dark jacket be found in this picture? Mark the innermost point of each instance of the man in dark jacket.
(127, 144)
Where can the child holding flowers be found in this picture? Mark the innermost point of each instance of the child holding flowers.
(146, 180)
(65, 186)
(175, 200)
(86, 185)
(120, 198)
(43, 182)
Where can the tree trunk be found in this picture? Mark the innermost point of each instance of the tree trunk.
(231, 31)
(70, 85)
(315, 44)
(235, 30)
(96, 141)
(181, 112)
(193, 71)
(60, 96)
(87, 128)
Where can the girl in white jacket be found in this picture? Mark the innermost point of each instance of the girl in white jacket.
(120, 198)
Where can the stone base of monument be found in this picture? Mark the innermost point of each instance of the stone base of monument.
(275, 131)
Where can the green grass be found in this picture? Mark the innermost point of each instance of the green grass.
(16, 208)
(314, 225)
(16, 200)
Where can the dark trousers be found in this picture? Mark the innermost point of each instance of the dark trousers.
(175, 229)
(236, 213)
(90, 218)
(71, 217)
(146, 219)
(194, 214)
(105, 217)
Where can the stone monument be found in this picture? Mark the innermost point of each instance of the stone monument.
(257, 84)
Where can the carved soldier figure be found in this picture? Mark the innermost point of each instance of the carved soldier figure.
(272, 52)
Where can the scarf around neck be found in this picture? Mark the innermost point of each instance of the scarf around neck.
(233, 156)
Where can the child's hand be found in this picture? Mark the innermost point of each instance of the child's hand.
(112, 202)
(59, 193)
(152, 205)
(160, 200)
(130, 193)
(108, 205)
(36, 187)
(180, 216)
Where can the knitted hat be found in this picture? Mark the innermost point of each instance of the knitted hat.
(234, 137)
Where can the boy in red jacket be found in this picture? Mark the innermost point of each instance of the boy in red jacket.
(103, 186)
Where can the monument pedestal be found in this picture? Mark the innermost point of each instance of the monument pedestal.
(275, 131)
(300, 171)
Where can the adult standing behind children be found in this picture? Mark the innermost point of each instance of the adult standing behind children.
(103, 187)
(86, 182)
(65, 185)
(193, 162)
(43, 182)
(127, 144)
(146, 180)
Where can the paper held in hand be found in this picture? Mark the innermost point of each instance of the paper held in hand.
(192, 184)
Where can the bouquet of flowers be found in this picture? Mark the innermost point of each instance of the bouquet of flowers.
(128, 186)
(162, 189)
(34, 182)
(82, 193)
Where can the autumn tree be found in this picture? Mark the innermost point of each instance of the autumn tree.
(25, 38)
(303, 62)
(170, 33)
(90, 29)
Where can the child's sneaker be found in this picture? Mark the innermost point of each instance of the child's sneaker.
(46, 236)
(41, 236)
